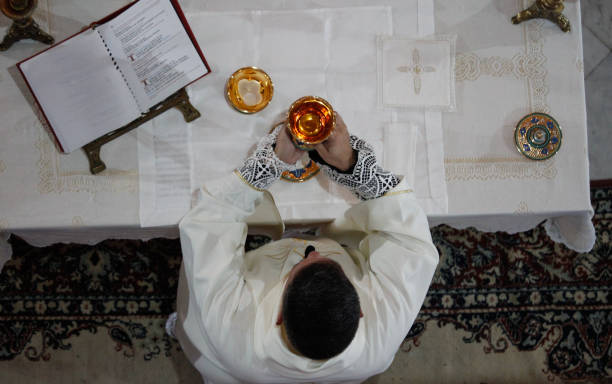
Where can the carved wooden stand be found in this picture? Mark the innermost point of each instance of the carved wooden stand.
(179, 100)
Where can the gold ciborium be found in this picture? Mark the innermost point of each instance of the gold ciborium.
(249, 90)
(310, 121)
(24, 26)
(545, 9)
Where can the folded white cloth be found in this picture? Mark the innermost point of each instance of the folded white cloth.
(399, 153)
(417, 73)
(164, 153)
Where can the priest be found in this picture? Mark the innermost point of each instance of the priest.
(331, 309)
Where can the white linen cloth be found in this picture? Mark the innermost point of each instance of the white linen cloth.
(417, 73)
(228, 301)
(47, 197)
(399, 141)
(164, 168)
(325, 52)
(501, 76)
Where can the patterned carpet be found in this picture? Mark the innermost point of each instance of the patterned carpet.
(507, 295)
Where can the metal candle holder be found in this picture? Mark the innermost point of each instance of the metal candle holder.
(24, 26)
(545, 9)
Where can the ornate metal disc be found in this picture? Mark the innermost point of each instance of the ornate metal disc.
(538, 136)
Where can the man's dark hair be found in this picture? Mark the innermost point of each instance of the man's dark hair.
(321, 311)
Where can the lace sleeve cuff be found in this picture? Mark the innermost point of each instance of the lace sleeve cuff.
(263, 167)
(368, 180)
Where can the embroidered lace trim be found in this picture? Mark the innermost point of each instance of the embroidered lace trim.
(368, 180)
(263, 167)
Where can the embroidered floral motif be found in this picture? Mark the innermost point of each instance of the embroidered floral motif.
(522, 208)
(490, 168)
(416, 69)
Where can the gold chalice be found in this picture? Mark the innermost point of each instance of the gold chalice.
(24, 26)
(311, 121)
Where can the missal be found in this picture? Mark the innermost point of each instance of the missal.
(111, 73)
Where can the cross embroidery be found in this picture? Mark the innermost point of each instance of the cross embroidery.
(416, 69)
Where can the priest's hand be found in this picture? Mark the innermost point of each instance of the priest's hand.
(337, 151)
(285, 149)
(351, 162)
(263, 167)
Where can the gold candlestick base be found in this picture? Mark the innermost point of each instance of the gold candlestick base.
(545, 9)
(24, 29)
(24, 26)
(179, 100)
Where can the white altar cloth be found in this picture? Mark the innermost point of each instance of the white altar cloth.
(538, 68)
(327, 52)
(501, 75)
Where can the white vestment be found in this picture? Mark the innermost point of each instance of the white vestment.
(228, 301)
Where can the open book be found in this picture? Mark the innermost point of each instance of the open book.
(112, 72)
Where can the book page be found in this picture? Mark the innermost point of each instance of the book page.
(153, 50)
(80, 90)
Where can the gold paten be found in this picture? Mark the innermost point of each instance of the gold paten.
(179, 99)
(311, 120)
(304, 172)
(253, 76)
(545, 9)
(301, 174)
(24, 26)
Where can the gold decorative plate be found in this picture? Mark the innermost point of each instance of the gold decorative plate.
(538, 136)
(249, 90)
(301, 174)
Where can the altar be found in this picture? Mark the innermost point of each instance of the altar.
(459, 153)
